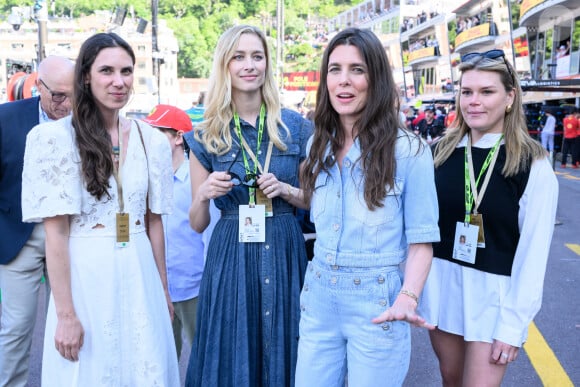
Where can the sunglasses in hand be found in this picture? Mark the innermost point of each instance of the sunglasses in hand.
(249, 180)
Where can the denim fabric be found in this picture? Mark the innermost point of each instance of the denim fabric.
(355, 274)
(249, 301)
(337, 305)
(348, 234)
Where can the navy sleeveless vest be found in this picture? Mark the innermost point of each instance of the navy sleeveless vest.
(499, 209)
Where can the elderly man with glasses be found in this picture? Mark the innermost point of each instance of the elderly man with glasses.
(22, 252)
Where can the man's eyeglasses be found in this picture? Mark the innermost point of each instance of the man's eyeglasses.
(56, 97)
(250, 180)
(491, 54)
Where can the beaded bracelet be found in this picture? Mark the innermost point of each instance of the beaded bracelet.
(410, 294)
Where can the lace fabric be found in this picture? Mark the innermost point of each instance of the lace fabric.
(117, 292)
(53, 185)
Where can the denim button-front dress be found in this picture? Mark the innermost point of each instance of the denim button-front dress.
(249, 310)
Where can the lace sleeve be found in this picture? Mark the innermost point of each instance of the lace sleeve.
(51, 181)
(160, 173)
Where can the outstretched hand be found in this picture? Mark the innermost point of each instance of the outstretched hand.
(403, 309)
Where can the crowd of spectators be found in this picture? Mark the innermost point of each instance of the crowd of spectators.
(368, 15)
(428, 121)
(429, 41)
(364, 16)
(316, 35)
(465, 23)
(410, 22)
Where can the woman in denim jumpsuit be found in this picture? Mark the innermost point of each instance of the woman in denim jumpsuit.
(374, 206)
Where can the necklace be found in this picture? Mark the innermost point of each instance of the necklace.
(117, 149)
(116, 154)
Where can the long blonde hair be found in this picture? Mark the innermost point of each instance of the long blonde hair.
(520, 148)
(220, 107)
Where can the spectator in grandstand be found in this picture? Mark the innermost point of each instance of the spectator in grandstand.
(448, 86)
(562, 52)
(461, 26)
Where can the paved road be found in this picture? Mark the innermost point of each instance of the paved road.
(558, 321)
(37, 345)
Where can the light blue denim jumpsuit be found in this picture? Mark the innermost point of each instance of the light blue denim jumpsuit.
(355, 274)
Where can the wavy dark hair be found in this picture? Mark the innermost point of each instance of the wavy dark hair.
(92, 139)
(377, 128)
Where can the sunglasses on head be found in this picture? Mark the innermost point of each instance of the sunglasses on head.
(491, 54)
(250, 180)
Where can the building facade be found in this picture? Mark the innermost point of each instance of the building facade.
(425, 40)
(19, 52)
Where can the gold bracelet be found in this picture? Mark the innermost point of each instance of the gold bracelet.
(410, 294)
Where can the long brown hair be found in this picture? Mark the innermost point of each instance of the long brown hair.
(93, 141)
(377, 128)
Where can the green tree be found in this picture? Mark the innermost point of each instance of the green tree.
(197, 24)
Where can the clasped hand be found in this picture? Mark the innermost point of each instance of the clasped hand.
(217, 184)
(220, 183)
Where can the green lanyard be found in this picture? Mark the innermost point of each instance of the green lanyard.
(491, 157)
(252, 190)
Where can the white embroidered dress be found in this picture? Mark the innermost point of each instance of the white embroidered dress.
(117, 292)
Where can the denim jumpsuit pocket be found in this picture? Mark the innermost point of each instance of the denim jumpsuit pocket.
(352, 297)
(377, 293)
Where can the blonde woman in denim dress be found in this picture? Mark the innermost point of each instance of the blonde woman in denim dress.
(374, 206)
(248, 311)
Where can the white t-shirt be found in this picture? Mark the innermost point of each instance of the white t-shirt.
(550, 125)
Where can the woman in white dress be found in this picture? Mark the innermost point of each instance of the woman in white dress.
(109, 317)
(497, 190)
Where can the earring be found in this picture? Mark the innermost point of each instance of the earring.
(508, 108)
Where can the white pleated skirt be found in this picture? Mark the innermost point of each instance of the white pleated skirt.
(462, 300)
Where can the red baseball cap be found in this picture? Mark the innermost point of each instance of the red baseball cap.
(169, 117)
